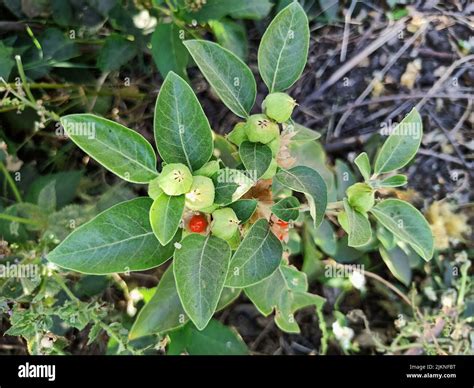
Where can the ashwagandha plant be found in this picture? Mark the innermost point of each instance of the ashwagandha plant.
(223, 208)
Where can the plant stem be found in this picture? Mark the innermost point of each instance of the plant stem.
(65, 288)
(21, 220)
(11, 182)
(25, 84)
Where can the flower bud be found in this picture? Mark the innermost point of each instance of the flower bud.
(361, 197)
(260, 129)
(175, 179)
(237, 135)
(224, 223)
(201, 194)
(279, 106)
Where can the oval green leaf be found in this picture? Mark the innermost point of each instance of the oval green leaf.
(398, 263)
(256, 158)
(165, 39)
(119, 149)
(119, 239)
(244, 209)
(182, 131)
(363, 163)
(284, 48)
(402, 145)
(228, 75)
(256, 258)
(287, 209)
(200, 269)
(406, 223)
(165, 216)
(360, 231)
(163, 312)
(307, 181)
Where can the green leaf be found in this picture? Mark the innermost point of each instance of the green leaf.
(119, 239)
(231, 35)
(402, 145)
(238, 9)
(47, 197)
(286, 292)
(200, 269)
(215, 339)
(363, 163)
(360, 231)
(256, 158)
(287, 209)
(266, 294)
(406, 223)
(182, 131)
(344, 178)
(165, 216)
(119, 149)
(284, 48)
(307, 181)
(256, 258)
(6, 61)
(244, 209)
(168, 50)
(228, 75)
(394, 181)
(398, 263)
(303, 134)
(116, 52)
(163, 312)
(230, 185)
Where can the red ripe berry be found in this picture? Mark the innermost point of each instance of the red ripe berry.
(282, 223)
(198, 223)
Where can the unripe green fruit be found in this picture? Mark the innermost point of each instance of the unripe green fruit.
(271, 170)
(201, 194)
(234, 241)
(361, 197)
(260, 129)
(175, 179)
(343, 221)
(209, 169)
(279, 106)
(154, 189)
(238, 135)
(275, 145)
(224, 223)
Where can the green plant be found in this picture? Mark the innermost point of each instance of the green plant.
(250, 216)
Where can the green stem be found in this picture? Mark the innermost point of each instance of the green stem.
(21, 220)
(65, 288)
(11, 182)
(324, 331)
(24, 82)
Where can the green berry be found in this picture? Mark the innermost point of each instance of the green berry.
(209, 169)
(361, 197)
(259, 128)
(224, 223)
(271, 170)
(201, 194)
(343, 221)
(234, 241)
(279, 106)
(154, 189)
(237, 135)
(275, 145)
(175, 179)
